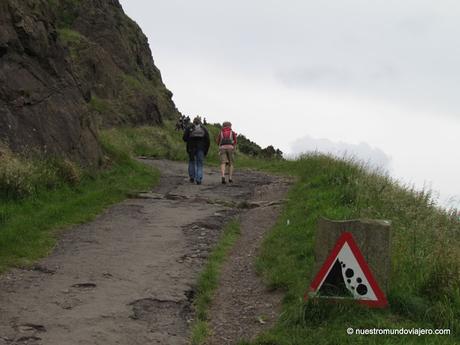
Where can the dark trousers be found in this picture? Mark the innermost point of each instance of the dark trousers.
(195, 165)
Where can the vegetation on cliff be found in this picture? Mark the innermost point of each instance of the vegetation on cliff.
(69, 68)
(112, 61)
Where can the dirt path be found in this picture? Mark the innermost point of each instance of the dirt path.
(128, 276)
(243, 307)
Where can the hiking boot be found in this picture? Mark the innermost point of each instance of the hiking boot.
(192, 180)
(198, 182)
(223, 180)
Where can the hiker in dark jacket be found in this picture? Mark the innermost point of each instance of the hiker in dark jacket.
(197, 138)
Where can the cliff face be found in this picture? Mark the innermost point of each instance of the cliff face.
(69, 66)
(113, 62)
(41, 105)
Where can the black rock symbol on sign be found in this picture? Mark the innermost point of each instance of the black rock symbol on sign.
(345, 274)
(334, 284)
(343, 282)
(358, 287)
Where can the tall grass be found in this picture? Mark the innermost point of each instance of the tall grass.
(425, 281)
(157, 142)
(39, 196)
(25, 176)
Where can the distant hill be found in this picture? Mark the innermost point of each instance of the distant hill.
(68, 67)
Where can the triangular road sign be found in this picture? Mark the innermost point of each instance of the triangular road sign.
(345, 274)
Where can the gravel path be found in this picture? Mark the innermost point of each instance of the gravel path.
(128, 277)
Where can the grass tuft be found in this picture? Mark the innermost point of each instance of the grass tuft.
(208, 282)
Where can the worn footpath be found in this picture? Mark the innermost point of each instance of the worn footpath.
(128, 277)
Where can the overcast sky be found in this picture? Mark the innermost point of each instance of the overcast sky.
(378, 79)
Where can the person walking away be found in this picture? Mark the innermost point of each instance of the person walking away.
(227, 145)
(197, 138)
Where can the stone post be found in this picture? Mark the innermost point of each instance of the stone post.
(372, 238)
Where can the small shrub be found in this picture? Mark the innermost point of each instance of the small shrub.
(16, 178)
(23, 176)
(68, 171)
(71, 37)
(132, 82)
(100, 105)
(45, 174)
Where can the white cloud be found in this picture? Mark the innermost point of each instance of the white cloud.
(373, 156)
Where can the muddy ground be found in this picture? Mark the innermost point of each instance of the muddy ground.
(128, 277)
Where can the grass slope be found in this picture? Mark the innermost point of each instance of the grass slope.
(425, 282)
(28, 222)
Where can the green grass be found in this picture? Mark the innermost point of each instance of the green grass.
(75, 42)
(165, 142)
(425, 281)
(29, 221)
(100, 105)
(40, 195)
(71, 37)
(157, 142)
(208, 282)
(133, 83)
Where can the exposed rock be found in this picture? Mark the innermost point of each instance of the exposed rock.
(41, 105)
(67, 67)
(113, 63)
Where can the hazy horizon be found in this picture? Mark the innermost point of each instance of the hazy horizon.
(377, 80)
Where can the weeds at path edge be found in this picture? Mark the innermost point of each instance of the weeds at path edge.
(208, 282)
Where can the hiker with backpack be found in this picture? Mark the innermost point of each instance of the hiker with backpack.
(227, 146)
(197, 138)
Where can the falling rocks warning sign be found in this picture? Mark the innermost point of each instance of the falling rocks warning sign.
(345, 274)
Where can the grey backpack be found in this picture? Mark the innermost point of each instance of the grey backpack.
(197, 132)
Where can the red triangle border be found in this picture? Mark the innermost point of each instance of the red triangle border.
(347, 237)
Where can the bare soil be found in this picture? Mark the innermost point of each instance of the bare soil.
(243, 306)
(128, 277)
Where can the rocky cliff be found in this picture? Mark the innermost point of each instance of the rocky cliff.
(68, 67)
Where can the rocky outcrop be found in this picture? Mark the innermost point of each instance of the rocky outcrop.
(41, 105)
(66, 68)
(113, 63)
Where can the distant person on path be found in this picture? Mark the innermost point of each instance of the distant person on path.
(227, 145)
(186, 122)
(197, 138)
